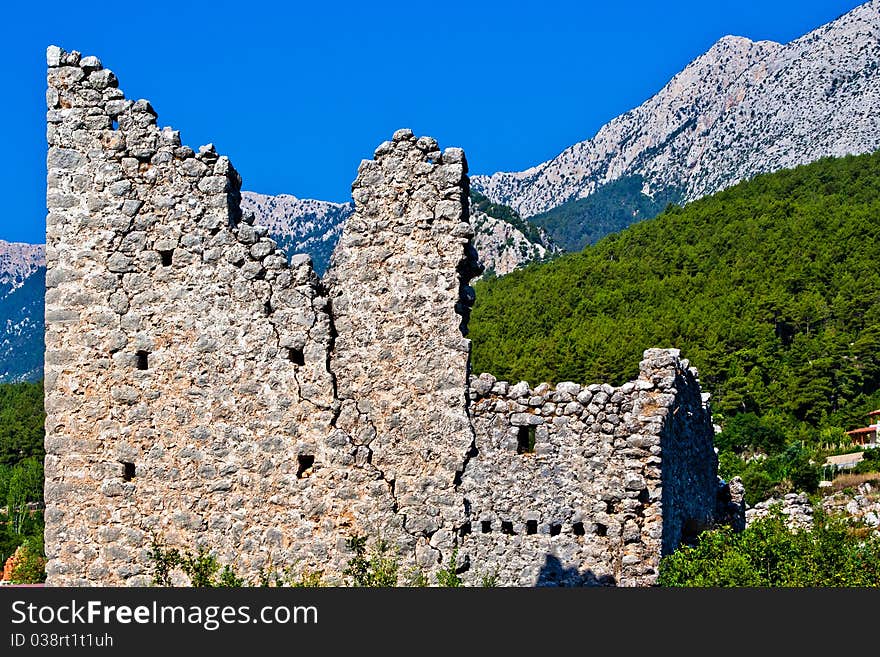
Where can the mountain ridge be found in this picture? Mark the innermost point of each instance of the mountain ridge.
(742, 108)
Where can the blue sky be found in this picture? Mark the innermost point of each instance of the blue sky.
(298, 93)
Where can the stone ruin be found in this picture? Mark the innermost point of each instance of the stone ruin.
(205, 390)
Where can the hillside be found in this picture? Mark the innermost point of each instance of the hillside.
(611, 208)
(300, 225)
(17, 263)
(770, 288)
(505, 241)
(740, 109)
(22, 290)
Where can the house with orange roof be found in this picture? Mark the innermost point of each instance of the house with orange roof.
(866, 435)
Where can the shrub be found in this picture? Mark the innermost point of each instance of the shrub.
(30, 562)
(376, 569)
(835, 552)
(447, 576)
(201, 568)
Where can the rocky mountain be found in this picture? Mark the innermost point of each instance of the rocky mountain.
(740, 109)
(22, 289)
(18, 262)
(300, 225)
(505, 241)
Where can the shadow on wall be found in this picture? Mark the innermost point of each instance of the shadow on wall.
(553, 573)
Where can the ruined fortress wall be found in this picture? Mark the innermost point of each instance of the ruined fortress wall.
(203, 391)
(570, 485)
(186, 362)
(398, 282)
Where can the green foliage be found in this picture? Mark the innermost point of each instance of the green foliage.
(22, 422)
(200, 567)
(870, 462)
(415, 578)
(162, 562)
(611, 208)
(447, 576)
(489, 580)
(21, 465)
(767, 553)
(378, 568)
(229, 579)
(770, 288)
(748, 431)
(30, 563)
(759, 484)
(20, 486)
(308, 579)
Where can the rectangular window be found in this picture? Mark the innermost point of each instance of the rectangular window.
(525, 440)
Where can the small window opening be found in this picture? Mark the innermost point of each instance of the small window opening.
(114, 124)
(304, 462)
(578, 529)
(601, 530)
(143, 360)
(127, 471)
(296, 357)
(506, 527)
(465, 529)
(531, 527)
(486, 526)
(555, 529)
(610, 507)
(166, 257)
(644, 496)
(525, 440)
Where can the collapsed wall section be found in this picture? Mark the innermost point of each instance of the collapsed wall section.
(587, 485)
(186, 362)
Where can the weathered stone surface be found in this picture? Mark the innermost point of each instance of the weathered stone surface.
(201, 390)
(598, 515)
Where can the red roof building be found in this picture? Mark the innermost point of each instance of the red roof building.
(865, 435)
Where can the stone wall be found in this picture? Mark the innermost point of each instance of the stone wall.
(400, 305)
(572, 484)
(186, 363)
(202, 391)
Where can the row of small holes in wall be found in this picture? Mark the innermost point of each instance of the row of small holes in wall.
(577, 528)
(304, 462)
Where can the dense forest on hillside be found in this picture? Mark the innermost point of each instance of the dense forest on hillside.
(770, 288)
(611, 208)
(21, 466)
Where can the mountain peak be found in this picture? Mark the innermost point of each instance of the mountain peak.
(18, 261)
(741, 108)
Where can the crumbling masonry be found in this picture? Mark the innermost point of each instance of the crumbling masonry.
(202, 389)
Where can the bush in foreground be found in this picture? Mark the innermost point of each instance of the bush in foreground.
(767, 553)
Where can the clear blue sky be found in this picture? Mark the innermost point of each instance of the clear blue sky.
(298, 93)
